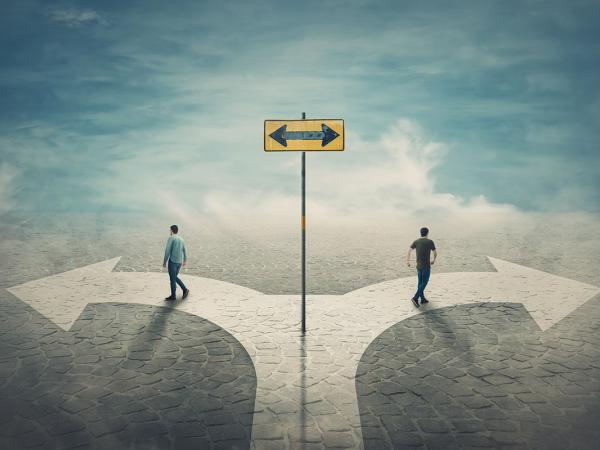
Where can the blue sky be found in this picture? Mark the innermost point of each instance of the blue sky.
(153, 105)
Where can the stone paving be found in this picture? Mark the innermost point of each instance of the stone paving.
(339, 258)
(299, 392)
(482, 376)
(125, 376)
(305, 385)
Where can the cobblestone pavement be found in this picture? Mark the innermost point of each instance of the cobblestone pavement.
(339, 259)
(125, 376)
(303, 394)
(483, 375)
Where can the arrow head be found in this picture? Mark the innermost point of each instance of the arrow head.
(547, 297)
(329, 135)
(279, 135)
(63, 296)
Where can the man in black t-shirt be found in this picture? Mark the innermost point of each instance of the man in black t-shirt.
(424, 246)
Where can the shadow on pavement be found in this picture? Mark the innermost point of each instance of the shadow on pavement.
(479, 375)
(126, 376)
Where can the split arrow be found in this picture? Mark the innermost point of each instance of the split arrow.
(281, 135)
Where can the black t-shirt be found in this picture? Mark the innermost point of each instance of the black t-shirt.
(424, 246)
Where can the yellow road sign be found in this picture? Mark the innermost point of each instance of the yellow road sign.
(324, 135)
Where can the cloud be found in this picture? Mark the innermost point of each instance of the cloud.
(8, 174)
(387, 180)
(175, 96)
(75, 19)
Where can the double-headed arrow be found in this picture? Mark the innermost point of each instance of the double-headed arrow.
(281, 135)
(306, 383)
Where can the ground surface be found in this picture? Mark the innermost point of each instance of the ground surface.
(125, 376)
(483, 376)
(134, 375)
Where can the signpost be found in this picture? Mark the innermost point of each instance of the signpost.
(324, 135)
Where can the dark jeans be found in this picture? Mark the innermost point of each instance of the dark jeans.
(423, 276)
(173, 272)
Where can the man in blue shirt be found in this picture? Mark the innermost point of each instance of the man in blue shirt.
(176, 255)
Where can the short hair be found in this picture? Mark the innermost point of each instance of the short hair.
(174, 228)
(424, 231)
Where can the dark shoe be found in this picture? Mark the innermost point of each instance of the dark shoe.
(170, 298)
(424, 300)
(415, 302)
(185, 293)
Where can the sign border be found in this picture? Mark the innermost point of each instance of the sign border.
(301, 120)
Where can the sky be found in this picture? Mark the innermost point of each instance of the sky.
(452, 108)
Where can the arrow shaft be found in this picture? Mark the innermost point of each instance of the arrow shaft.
(304, 135)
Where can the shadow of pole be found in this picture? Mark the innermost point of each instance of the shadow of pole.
(302, 390)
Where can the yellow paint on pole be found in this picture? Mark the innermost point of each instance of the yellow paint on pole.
(320, 135)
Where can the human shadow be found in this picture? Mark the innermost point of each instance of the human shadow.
(193, 372)
(134, 376)
(407, 374)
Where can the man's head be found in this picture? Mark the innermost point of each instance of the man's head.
(174, 229)
(424, 231)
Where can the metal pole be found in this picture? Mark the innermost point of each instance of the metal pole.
(303, 238)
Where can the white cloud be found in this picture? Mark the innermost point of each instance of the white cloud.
(75, 19)
(387, 180)
(383, 180)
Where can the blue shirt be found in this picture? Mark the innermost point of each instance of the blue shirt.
(175, 251)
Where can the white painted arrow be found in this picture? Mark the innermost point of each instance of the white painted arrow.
(305, 385)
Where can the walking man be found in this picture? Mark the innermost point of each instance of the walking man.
(423, 246)
(176, 255)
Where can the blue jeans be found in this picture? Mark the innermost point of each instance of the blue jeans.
(173, 272)
(423, 277)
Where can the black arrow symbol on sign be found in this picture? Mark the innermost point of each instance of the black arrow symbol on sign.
(326, 136)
